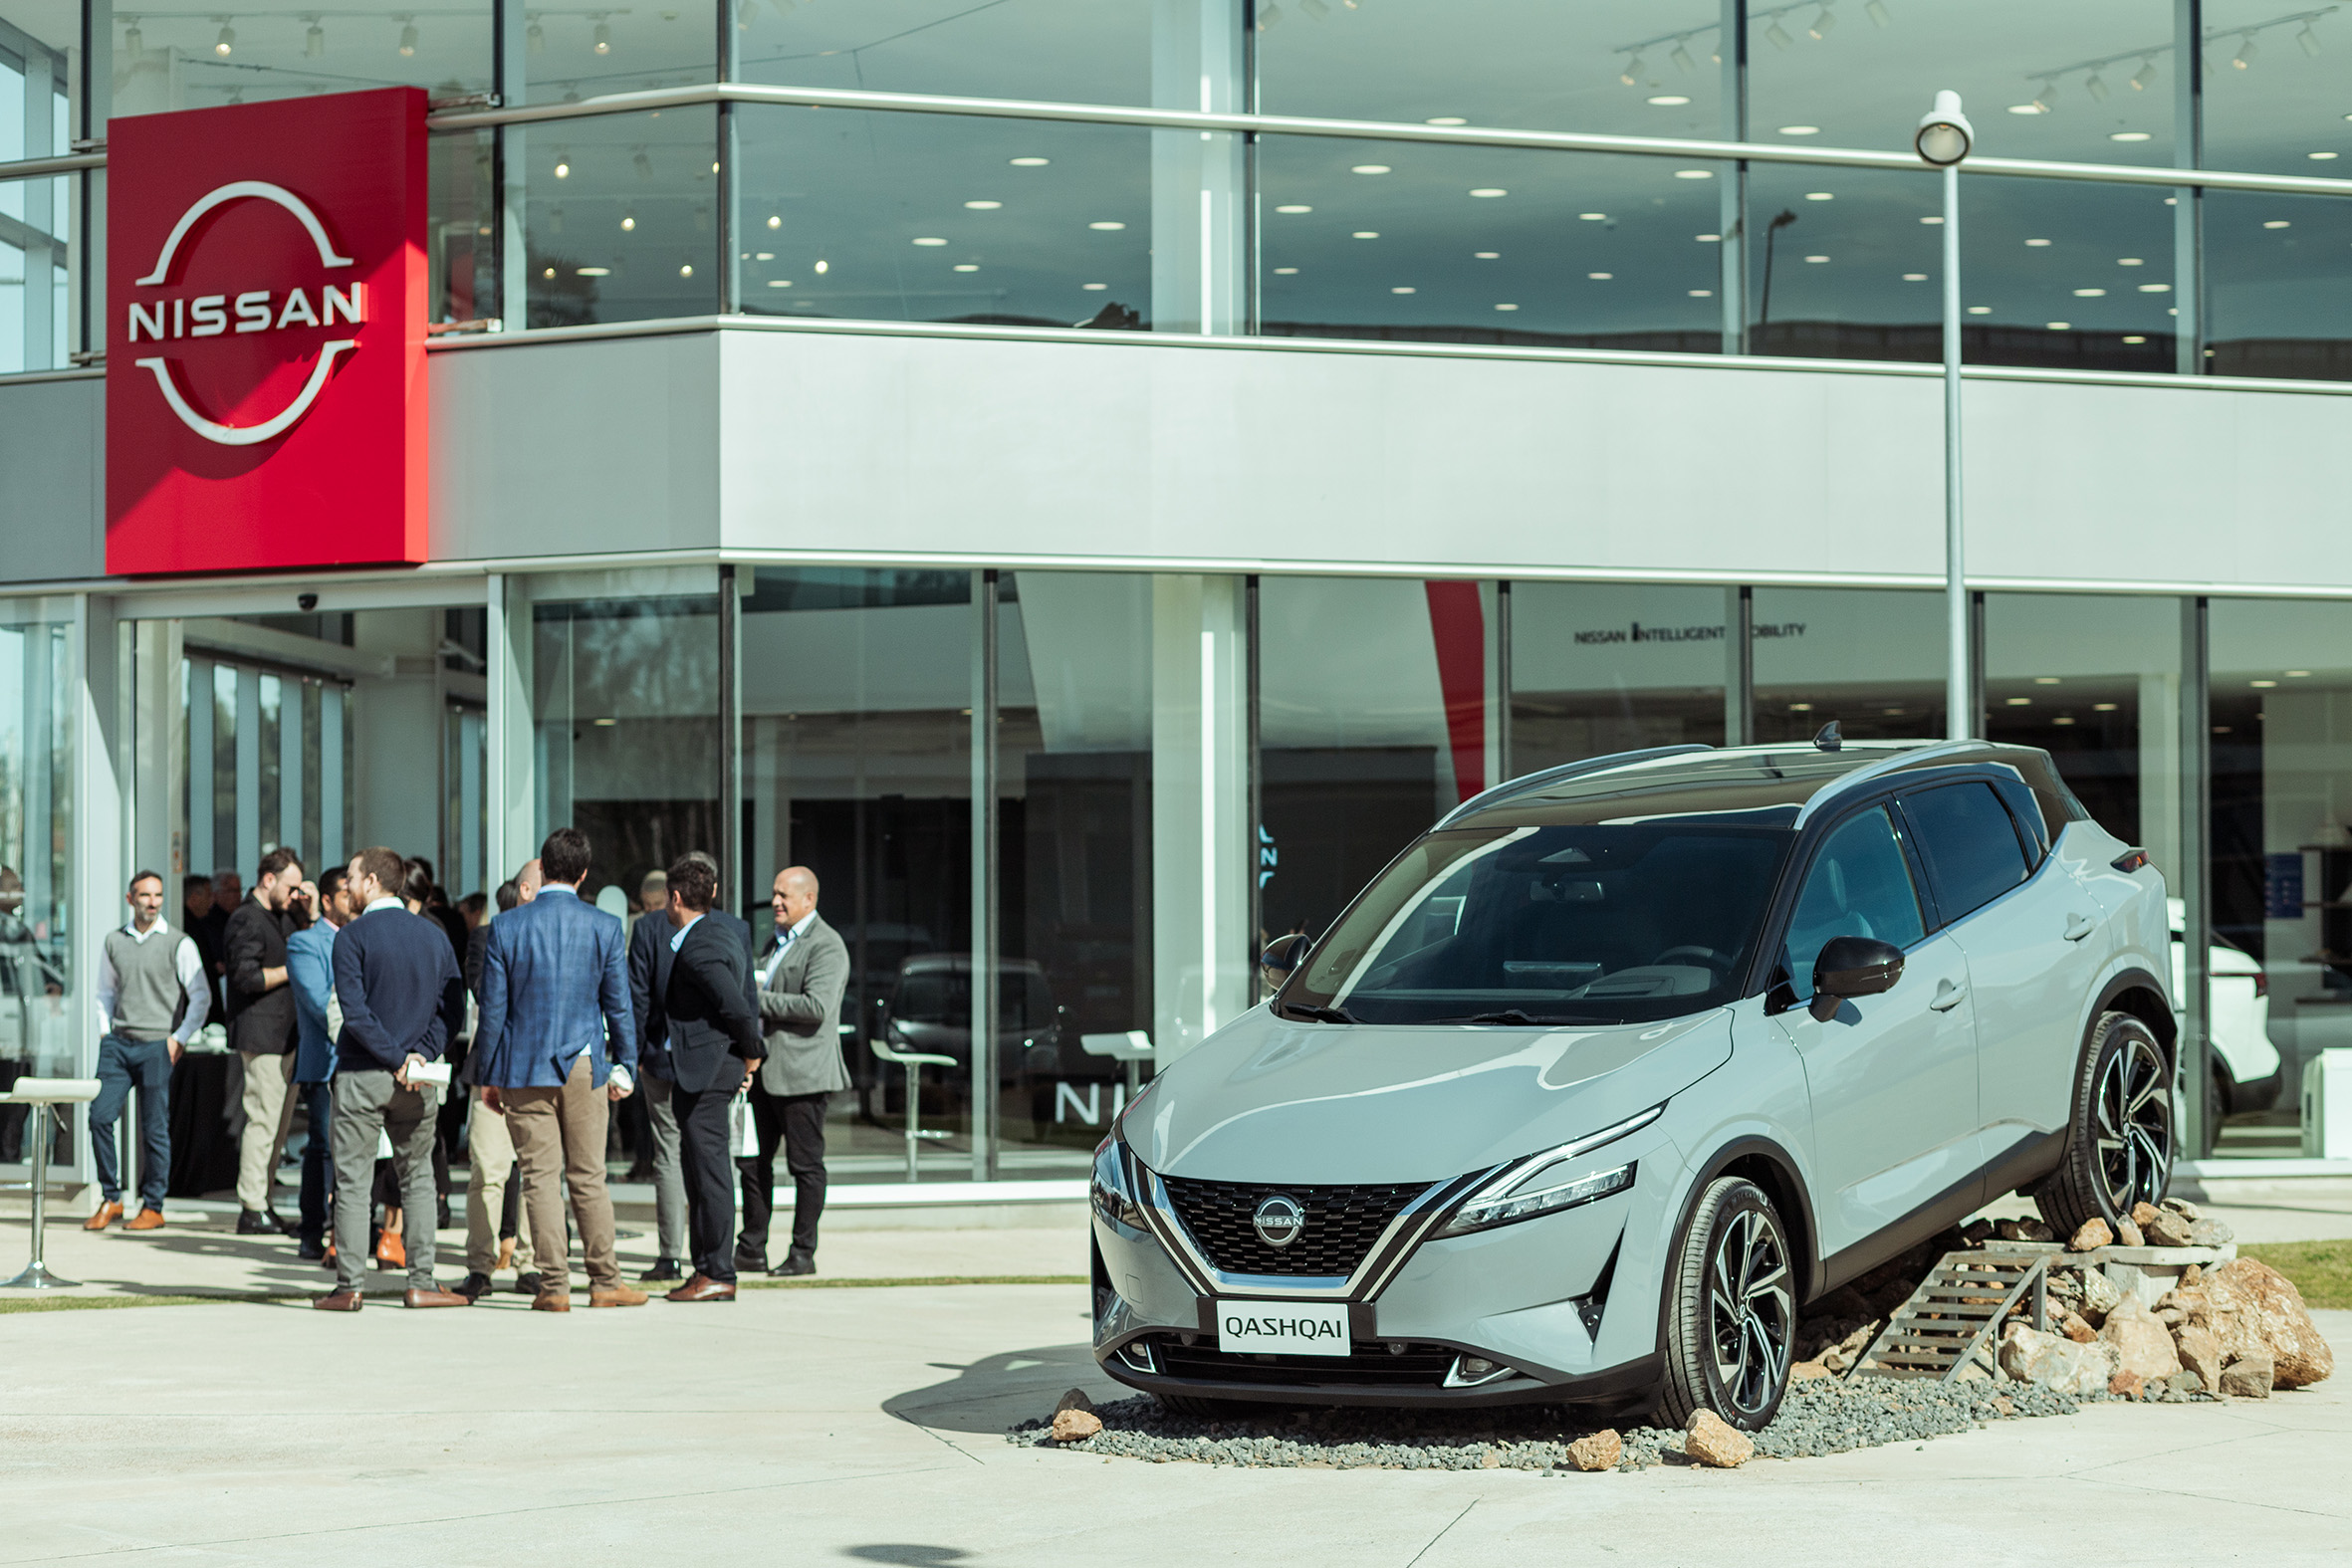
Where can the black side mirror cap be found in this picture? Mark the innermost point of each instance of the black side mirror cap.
(1853, 967)
(1281, 956)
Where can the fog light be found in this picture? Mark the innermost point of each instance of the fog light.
(1476, 1366)
(1473, 1371)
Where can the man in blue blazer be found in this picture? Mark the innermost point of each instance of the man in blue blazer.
(310, 963)
(556, 1046)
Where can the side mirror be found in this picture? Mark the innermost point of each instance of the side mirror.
(1853, 967)
(1281, 956)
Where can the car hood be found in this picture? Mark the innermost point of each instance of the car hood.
(1269, 1100)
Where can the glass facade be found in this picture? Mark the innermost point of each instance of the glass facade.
(38, 686)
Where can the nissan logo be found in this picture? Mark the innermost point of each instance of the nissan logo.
(1278, 1221)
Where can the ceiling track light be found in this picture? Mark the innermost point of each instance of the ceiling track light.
(534, 36)
(1778, 36)
(628, 220)
(1315, 9)
(2244, 58)
(2095, 87)
(603, 36)
(1682, 57)
(1632, 74)
(407, 36)
(1267, 18)
(132, 39)
(1876, 10)
(228, 41)
(2049, 92)
(2144, 78)
(314, 39)
(1823, 26)
(555, 220)
(644, 163)
(2308, 41)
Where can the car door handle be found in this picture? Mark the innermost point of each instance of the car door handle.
(1947, 996)
(2079, 925)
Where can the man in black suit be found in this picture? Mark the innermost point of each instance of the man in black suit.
(715, 1047)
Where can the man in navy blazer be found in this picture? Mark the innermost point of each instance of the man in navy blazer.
(556, 1046)
(715, 1048)
(402, 1002)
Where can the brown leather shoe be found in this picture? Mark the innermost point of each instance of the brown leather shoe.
(701, 1287)
(615, 1296)
(551, 1301)
(149, 1220)
(435, 1297)
(339, 1301)
(106, 1214)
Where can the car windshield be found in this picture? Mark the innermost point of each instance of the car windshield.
(1587, 923)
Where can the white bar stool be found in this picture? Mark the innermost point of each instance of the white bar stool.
(914, 1061)
(47, 1094)
(1132, 1048)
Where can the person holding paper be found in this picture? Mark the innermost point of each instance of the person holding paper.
(309, 962)
(554, 1049)
(402, 999)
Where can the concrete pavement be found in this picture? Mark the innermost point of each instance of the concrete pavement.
(854, 1425)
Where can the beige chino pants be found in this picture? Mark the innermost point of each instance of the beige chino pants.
(269, 1113)
(560, 1135)
(490, 1153)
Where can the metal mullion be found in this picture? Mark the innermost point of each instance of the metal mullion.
(985, 921)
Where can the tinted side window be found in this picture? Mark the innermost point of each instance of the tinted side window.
(2027, 811)
(1858, 886)
(1965, 835)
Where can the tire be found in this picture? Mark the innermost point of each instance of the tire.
(1730, 1313)
(2119, 1143)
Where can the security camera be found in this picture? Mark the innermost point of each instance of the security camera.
(306, 602)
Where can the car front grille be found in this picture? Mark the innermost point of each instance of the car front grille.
(1341, 1224)
(1368, 1364)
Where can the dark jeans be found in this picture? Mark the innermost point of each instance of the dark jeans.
(122, 1065)
(710, 1180)
(798, 1122)
(318, 1160)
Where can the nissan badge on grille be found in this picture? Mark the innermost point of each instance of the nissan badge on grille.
(1278, 1221)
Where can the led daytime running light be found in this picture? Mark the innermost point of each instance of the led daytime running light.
(1482, 1214)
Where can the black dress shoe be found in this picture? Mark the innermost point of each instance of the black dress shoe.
(664, 1269)
(474, 1286)
(792, 1266)
(258, 1222)
(749, 1261)
(527, 1284)
(310, 1252)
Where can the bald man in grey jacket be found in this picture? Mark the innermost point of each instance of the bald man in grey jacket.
(802, 971)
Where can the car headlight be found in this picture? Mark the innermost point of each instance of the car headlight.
(1489, 1208)
(1112, 1189)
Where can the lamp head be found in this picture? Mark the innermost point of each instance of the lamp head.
(1944, 134)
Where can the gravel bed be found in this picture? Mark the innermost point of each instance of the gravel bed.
(1824, 1415)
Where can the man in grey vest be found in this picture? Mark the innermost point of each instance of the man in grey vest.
(151, 996)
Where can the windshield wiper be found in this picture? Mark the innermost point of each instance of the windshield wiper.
(1300, 1009)
(1516, 1016)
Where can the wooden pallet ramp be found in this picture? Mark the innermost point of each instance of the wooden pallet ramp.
(1956, 1313)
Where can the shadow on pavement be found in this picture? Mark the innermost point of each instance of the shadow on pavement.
(992, 1394)
(895, 1552)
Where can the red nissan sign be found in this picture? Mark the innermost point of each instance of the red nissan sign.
(266, 308)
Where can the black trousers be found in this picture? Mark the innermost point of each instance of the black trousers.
(797, 1121)
(710, 1179)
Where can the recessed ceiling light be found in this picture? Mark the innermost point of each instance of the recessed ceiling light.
(593, 271)
(1487, 255)
(2127, 135)
(774, 222)
(1031, 163)
(1694, 173)
(1594, 217)
(1279, 271)
(2322, 157)
(1405, 289)
(2020, 702)
(1979, 310)
(2276, 223)
(764, 256)
(2026, 108)
(2037, 244)
(1821, 195)
(1801, 131)
(1670, 100)
(2045, 680)
(2089, 294)
(1365, 234)
(2059, 327)
(779, 283)
(2063, 720)
(1095, 286)
(1914, 277)
(2134, 337)
(1931, 219)
(1296, 206)
(1801, 707)
(1490, 190)
(1816, 259)
(2297, 674)
(605, 723)
(2104, 706)
(1708, 239)
(2261, 685)
(930, 239)
(2155, 288)
(2130, 261)
(967, 267)
(1369, 168)
(1701, 294)
(1107, 226)
(1505, 307)
(1601, 276)
(1456, 120)
(983, 206)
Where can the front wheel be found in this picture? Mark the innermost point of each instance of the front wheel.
(1732, 1312)
(2119, 1150)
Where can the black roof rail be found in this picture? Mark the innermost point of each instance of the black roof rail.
(1528, 783)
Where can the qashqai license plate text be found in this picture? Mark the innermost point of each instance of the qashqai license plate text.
(1289, 1328)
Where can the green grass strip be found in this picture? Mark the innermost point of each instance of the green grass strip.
(49, 1304)
(2322, 1270)
(819, 1282)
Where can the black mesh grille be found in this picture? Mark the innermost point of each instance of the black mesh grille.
(1370, 1363)
(1341, 1224)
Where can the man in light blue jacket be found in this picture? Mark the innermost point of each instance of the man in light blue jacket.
(310, 965)
(556, 1046)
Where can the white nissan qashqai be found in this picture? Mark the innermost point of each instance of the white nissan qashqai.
(1621, 1063)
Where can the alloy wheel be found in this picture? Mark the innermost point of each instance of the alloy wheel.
(1751, 1309)
(2133, 1123)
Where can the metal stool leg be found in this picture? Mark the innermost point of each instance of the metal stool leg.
(37, 1275)
(914, 1111)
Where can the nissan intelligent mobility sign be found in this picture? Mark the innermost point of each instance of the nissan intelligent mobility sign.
(266, 287)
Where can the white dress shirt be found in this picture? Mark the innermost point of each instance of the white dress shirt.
(185, 963)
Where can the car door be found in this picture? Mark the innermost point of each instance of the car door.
(1892, 1077)
(2032, 936)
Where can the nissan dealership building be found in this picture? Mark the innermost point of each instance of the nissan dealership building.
(1093, 477)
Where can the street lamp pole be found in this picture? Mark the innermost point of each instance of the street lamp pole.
(1943, 140)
